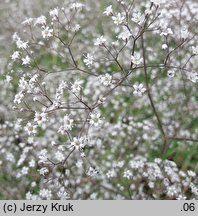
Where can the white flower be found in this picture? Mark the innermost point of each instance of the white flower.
(118, 19)
(62, 194)
(45, 193)
(108, 11)
(192, 76)
(32, 163)
(127, 174)
(166, 31)
(28, 196)
(77, 143)
(31, 129)
(26, 60)
(111, 173)
(76, 5)
(47, 32)
(76, 87)
(137, 17)
(40, 20)
(125, 35)
(59, 156)
(67, 124)
(43, 156)
(184, 33)
(195, 50)
(54, 13)
(164, 46)
(43, 171)
(95, 119)
(100, 41)
(138, 89)
(15, 55)
(105, 79)
(19, 97)
(24, 170)
(21, 44)
(92, 172)
(171, 73)
(88, 60)
(27, 21)
(136, 59)
(191, 173)
(40, 118)
(75, 28)
(15, 37)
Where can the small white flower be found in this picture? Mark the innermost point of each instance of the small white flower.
(19, 97)
(191, 173)
(62, 194)
(166, 31)
(54, 13)
(47, 32)
(77, 143)
(184, 33)
(31, 129)
(171, 73)
(138, 89)
(59, 156)
(21, 44)
(24, 170)
(15, 55)
(105, 79)
(15, 37)
(192, 76)
(92, 172)
(118, 19)
(88, 60)
(76, 5)
(32, 163)
(95, 119)
(100, 41)
(26, 60)
(40, 118)
(76, 87)
(108, 11)
(43, 171)
(27, 21)
(45, 193)
(136, 59)
(195, 50)
(137, 17)
(40, 20)
(111, 173)
(75, 28)
(125, 35)
(164, 46)
(67, 125)
(127, 174)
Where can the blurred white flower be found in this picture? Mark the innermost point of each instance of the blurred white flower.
(118, 19)
(76, 86)
(47, 32)
(105, 79)
(138, 89)
(100, 41)
(95, 119)
(108, 11)
(136, 59)
(88, 60)
(26, 60)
